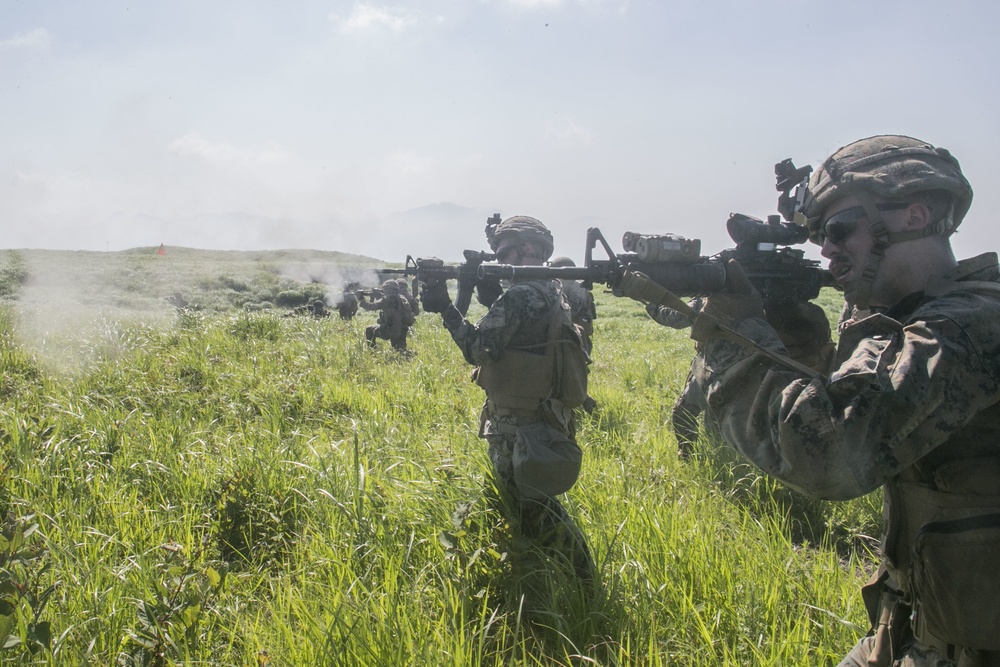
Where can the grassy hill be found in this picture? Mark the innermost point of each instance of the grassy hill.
(141, 279)
(225, 486)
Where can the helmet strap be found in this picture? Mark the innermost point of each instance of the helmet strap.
(860, 294)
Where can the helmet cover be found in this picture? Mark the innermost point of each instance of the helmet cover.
(888, 166)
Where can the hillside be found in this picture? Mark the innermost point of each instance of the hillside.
(142, 279)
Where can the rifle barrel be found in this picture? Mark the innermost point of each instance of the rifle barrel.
(510, 272)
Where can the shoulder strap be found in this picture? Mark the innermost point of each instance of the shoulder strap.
(553, 337)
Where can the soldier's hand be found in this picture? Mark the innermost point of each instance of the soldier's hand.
(737, 301)
(805, 331)
(487, 291)
(434, 296)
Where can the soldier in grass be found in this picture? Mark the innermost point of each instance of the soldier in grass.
(689, 404)
(584, 310)
(319, 309)
(411, 301)
(394, 320)
(528, 418)
(909, 403)
(347, 302)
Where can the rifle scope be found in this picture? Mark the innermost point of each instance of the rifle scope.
(746, 229)
(661, 247)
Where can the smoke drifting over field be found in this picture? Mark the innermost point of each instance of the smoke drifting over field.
(73, 308)
(71, 313)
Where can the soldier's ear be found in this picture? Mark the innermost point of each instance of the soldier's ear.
(918, 215)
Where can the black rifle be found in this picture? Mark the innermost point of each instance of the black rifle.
(432, 269)
(779, 272)
(373, 293)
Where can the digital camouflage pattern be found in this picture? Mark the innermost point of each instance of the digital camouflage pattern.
(391, 324)
(914, 655)
(689, 404)
(411, 301)
(519, 317)
(581, 303)
(906, 382)
(913, 393)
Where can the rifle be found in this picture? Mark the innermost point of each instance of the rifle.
(780, 273)
(763, 250)
(373, 293)
(432, 269)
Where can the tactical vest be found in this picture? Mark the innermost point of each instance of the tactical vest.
(555, 367)
(941, 540)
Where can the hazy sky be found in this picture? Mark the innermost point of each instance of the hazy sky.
(138, 123)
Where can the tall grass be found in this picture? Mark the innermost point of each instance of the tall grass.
(238, 488)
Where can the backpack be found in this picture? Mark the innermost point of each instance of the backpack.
(566, 341)
(406, 313)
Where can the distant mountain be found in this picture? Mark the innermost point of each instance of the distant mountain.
(442, 229)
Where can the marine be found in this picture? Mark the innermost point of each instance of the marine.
(394, 320)
(528, 417)
(909, 402)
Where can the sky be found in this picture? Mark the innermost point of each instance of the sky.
(390, 129)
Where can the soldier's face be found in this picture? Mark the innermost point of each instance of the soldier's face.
(846, 247)
(848, 241)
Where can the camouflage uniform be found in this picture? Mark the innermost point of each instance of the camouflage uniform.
(520, 318)
(912, 405)
(584, 310)
(347, 305)
(581, 303)
(411, 301)
(391, 323)
(319, 309)
(690, 403)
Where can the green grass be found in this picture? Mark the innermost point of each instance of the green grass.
(231, 487)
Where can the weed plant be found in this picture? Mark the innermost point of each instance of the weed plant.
(238, 488)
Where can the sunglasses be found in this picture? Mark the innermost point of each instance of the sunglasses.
(838, 228)
(504, 253)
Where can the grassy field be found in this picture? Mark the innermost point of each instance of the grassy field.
(226, 486)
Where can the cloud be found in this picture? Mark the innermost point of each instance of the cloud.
(411, 164)
(568, 133)
(192, 144)
(368, 18)
(534, 4)
(37, 39)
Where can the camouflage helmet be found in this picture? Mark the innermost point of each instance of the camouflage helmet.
(887, 166)
(522, 229)
(390, 287)
(402, 285)
(561, 260)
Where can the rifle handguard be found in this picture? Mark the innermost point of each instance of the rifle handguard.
(641, 287)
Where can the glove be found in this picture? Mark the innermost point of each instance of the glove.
(488, 291)
(434, 296)
(805, 331)
(739, 300)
